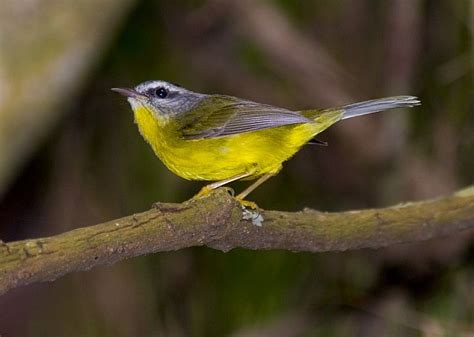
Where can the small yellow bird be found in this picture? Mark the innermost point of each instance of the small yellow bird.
(223, 138)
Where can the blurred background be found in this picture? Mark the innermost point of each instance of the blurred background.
(71, 156)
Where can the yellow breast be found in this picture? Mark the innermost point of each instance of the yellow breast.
(256, 153)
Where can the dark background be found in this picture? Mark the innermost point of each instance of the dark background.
(71, 156)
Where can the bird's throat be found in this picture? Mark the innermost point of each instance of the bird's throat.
(153, 129)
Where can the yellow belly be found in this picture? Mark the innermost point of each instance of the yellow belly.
(255, 153)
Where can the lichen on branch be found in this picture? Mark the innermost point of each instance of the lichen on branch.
(218, 221)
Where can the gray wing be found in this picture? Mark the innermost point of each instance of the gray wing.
(220, 116)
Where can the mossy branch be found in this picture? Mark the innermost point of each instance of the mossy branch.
(218, 221)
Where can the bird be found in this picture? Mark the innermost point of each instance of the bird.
(221, 138)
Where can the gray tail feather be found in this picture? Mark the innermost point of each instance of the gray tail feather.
(381, 104)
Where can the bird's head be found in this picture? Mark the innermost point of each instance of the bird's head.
(162, 99)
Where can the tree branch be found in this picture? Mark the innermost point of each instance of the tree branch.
(218, 221)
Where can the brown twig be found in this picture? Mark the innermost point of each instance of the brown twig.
(218, 221)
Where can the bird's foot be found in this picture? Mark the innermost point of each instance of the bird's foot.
(206, 190)
(247, 204)
(203, 192)
(251, 211)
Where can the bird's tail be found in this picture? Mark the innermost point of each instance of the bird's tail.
(376, 105)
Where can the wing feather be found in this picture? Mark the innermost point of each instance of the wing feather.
(219, 116)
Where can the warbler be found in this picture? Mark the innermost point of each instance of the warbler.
(222, 138)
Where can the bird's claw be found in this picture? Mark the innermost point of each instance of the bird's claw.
(247, 204)
(251, 212)
(202, 192)
(206, 190)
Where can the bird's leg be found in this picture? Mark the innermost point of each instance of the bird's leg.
(209, 188)
(241, 196)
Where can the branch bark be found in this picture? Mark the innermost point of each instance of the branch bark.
(218, 221)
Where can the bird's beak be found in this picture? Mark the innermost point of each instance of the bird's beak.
(127, 92)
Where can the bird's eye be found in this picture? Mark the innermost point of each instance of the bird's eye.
(161, 92)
